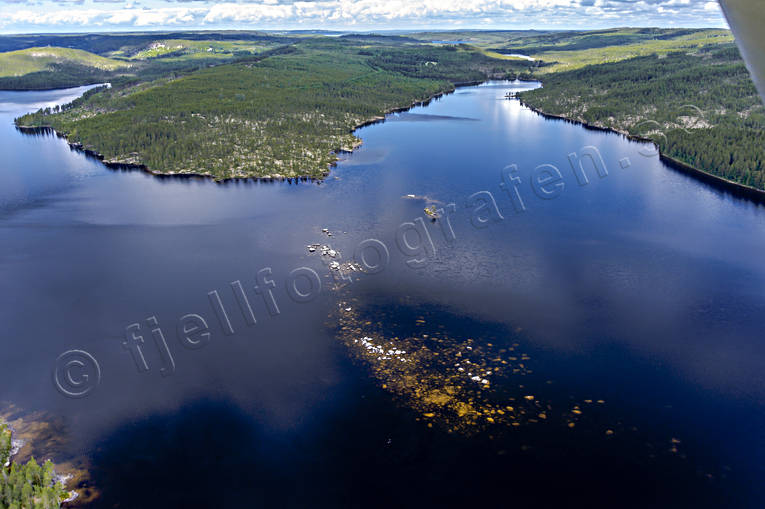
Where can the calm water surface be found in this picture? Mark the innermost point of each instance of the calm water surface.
(644, 289)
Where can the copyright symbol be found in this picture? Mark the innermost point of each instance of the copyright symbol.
(76, 373)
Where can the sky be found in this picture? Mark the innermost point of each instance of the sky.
(36, 16)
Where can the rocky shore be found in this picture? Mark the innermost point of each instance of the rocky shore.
(42, 436)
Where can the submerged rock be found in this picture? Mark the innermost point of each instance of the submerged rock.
(431, 212)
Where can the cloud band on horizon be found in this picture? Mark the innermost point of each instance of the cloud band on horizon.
(103, 15)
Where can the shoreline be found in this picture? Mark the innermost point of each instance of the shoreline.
(50, 89)
(735, 188)
(122, 166)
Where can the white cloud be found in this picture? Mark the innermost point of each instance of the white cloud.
(368, 13)
(231, 12)
(712, 6)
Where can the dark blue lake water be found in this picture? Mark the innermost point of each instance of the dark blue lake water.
(643, 289)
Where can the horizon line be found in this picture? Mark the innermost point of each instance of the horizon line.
(128, 31)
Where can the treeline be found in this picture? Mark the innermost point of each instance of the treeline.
(27, 486)
(701, 109)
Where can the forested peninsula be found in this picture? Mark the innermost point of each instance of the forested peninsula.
(284, 113)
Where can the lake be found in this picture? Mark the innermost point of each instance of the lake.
(627, 311)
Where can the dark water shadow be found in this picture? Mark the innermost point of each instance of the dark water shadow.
(371, 453)
(422, 117)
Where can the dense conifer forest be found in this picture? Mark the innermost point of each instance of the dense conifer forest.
(701, 108)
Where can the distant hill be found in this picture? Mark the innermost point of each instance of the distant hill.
(19, 63)
(105, 43)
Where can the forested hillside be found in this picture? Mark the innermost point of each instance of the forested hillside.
(701, 108)
(565, 51)
(18, 63)
(47, 68)
(129, 57)
(445, 63)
